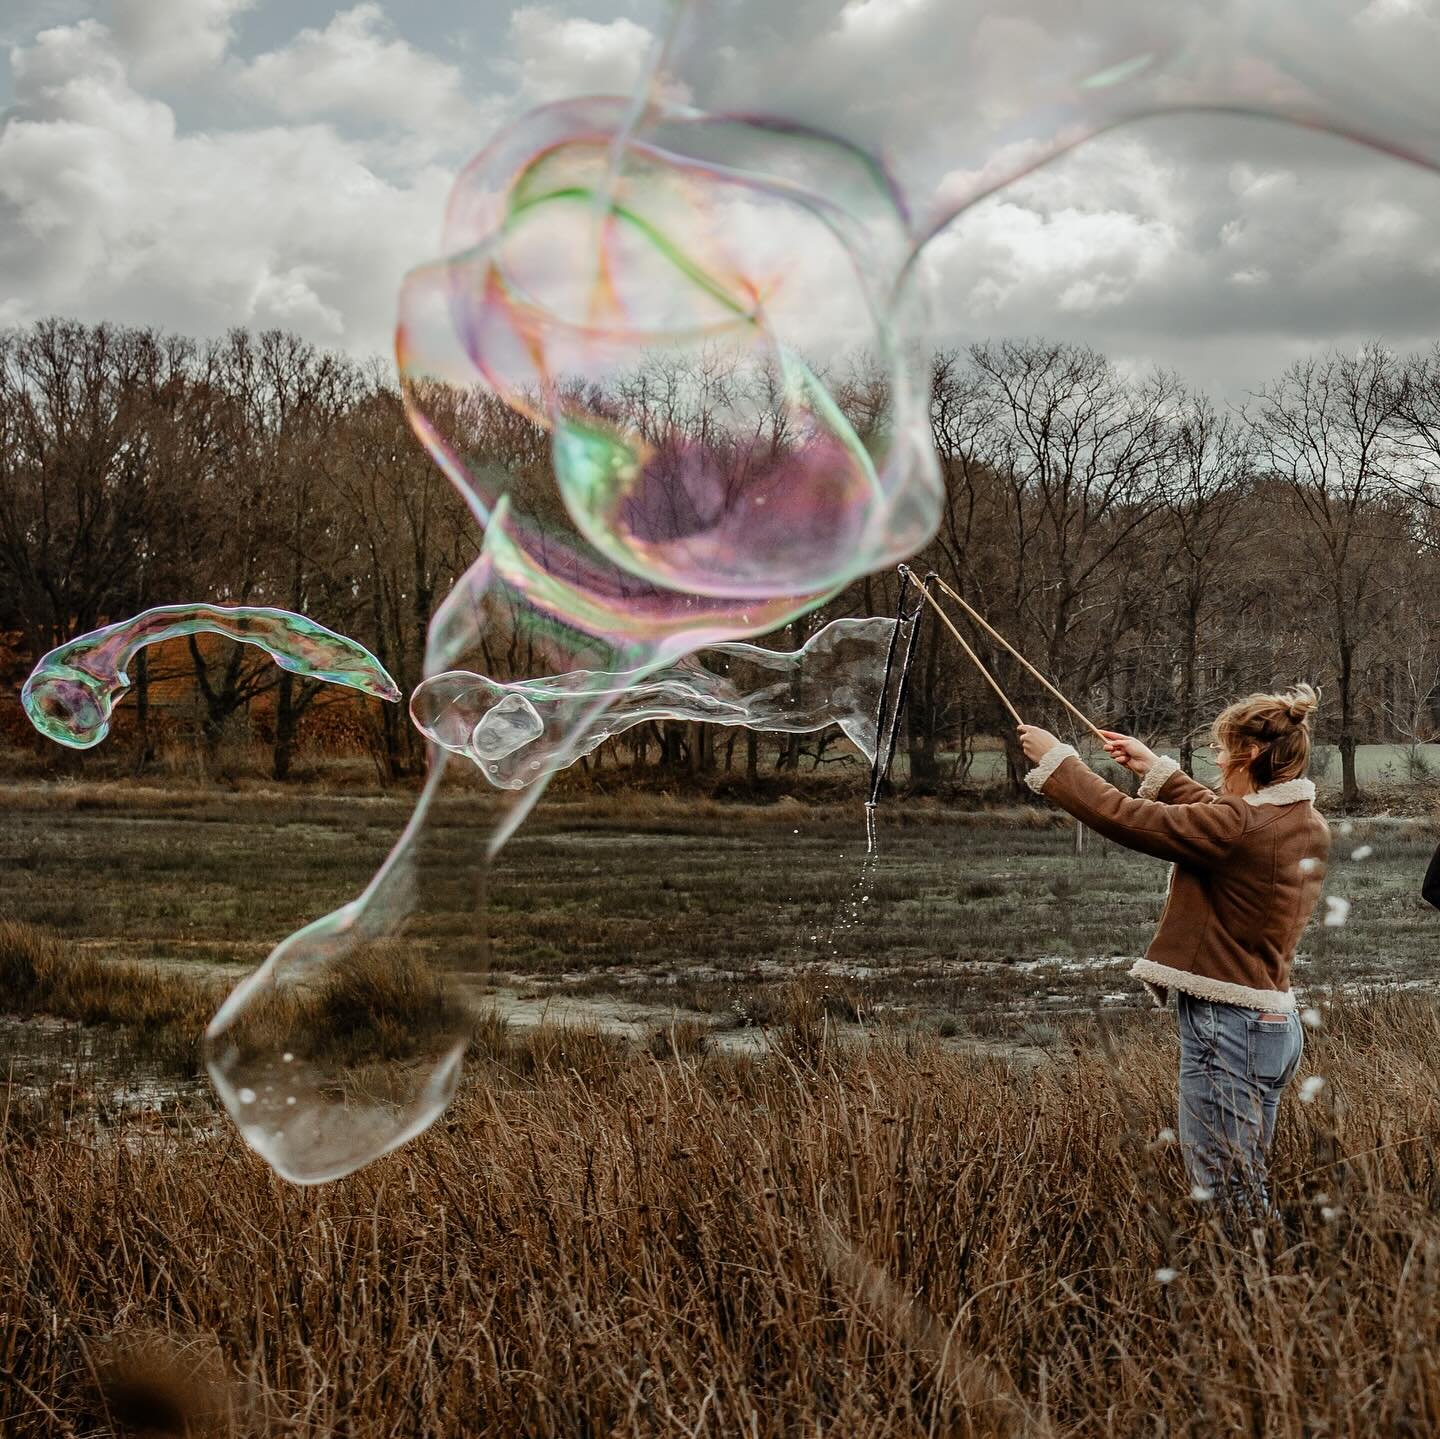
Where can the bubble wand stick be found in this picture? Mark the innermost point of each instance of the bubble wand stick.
(1000, 639)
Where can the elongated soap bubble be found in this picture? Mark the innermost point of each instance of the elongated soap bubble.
(348, 1040)
(72, 691)
(625, 360)
(511, 731)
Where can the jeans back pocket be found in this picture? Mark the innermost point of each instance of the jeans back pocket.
(1270, 1049)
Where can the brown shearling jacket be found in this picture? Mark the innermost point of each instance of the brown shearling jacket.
(1246, 877)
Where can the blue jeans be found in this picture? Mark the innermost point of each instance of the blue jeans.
(1233, 1068)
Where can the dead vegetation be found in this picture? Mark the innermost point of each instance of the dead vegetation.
(163, 1014)
(878, 1240)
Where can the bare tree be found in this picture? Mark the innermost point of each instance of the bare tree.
(1326, 431)
(1206, 485)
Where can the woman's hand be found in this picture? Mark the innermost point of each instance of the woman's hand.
(1129, 752)
(1036, 742)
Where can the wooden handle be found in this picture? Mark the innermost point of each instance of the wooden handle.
(1000, 639)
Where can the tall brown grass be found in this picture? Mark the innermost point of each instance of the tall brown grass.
(864, 1241)
(385, 1004)
(165, 1014)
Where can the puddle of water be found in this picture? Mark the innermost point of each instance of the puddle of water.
(1071, 964)
(90, 1067)
(633, 839)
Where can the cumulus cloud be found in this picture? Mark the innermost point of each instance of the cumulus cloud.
(163, 40)
(555, 55)
(1225, 269)
(358, 68)
(1220, 246)
(109, 211)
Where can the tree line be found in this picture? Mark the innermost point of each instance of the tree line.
(1153, 551)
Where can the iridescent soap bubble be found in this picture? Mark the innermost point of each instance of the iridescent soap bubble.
(639, 312)
(508, 730)
(617, 361)
(72, 691)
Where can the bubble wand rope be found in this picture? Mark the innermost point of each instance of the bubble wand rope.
(1000, 639)
(974, 658)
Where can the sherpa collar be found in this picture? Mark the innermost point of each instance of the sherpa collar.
(1292, 791)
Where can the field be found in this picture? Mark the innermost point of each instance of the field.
(1375, 764)
(809, 1152)
(621, 911)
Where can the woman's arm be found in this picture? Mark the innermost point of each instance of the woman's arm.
(1197, 834)
(1430, 886)
(1160, 776)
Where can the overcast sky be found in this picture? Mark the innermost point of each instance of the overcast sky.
(197, 164)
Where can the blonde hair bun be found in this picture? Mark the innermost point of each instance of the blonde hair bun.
(1271, 732)
(1303, 701)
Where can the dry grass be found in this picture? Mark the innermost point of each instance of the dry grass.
(385, 1005)
(883, 1240)
(164, 1014)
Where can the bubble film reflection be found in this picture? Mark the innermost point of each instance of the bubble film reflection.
(639, 312)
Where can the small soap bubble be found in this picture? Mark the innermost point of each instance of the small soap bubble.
(1201, 1193)
(1337, 911)
(1363, 852)
(1166, 1275)
(1310, 1088)
(246, 1096)
(1311, 1018)
(515, 731)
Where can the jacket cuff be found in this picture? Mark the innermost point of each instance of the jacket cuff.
(1053, 760)
(1154, 781)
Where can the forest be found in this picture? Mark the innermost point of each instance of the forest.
(1154, 550)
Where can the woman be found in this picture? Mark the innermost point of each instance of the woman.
(1248, 865)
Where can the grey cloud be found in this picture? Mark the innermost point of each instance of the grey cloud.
(1218, 246)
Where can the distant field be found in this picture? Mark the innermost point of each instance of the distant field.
(1375, 764)
(974, 1223)
(631, 909)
